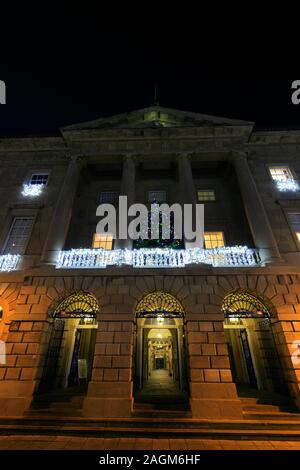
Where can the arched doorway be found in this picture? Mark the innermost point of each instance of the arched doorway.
(69, 357)
(251, 345)
(160, 352)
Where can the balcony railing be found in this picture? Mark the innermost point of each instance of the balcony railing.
(8, 262)
(158, 258)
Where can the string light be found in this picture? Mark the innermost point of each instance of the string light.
(237, 256)
(288, 184)
(8, 262)
(32, 190)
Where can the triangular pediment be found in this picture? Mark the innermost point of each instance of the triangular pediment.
(157, 117)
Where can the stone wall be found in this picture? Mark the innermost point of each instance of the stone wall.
(212, 393)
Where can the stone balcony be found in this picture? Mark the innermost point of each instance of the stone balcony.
(158, 258)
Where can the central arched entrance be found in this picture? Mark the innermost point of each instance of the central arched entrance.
(69, 357)
(160, 354)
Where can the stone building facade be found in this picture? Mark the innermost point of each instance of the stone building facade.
(235, 312)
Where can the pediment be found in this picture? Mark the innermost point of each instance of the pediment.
(157, 117)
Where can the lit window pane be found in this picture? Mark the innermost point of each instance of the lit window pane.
(39, 178)
(214, 239)
(281, 173)
(206, 195)
(103, 240)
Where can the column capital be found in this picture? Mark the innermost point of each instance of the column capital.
(130, 157)
(77, 158)
(184, 156)
(238, 155)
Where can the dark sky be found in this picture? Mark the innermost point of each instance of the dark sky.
(64, 78)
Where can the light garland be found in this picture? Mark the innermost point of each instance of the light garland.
(32, 190)
(237, 256)
(288, 184)
(8, 262)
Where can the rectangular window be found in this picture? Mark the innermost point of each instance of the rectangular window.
(39, 178)
(18, 236)
(284, 179)
(214, 239)
(294, 220)
(157, 196)
(103, 240)
(109, 197)
(206, 195)
(281, 173)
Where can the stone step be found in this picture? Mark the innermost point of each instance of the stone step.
(170, 430)
(48, 412)
(266, 400)
(271, 416)
(63, 399)
(265, 408)
(48, 421)
(154, 414)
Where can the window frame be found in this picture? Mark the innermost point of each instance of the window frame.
(11, 226)
(206, 190)
(288, 211)
(109, 191)
(106, 235)
(215, 231)
(31, 173)
(157, 190)
(283, 166)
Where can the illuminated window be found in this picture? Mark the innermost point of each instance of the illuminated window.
(206, 195)
(157, 196)
(214, 239)
(39, 178)
(281, 173)
(284, 179)
(294, 220)
(109, 197)
(103, 240)
(18, 236)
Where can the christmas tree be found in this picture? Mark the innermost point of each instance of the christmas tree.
(165, 239)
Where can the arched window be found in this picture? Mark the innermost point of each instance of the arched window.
(75, 304)
(159, 304)
(1, 313)
(243, 303)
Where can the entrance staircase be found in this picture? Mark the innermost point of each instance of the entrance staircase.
(65, 403)
(268, 406)
(267, 416)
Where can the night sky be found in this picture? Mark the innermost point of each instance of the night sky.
(56, 80)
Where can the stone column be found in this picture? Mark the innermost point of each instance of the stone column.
(257, 217)
(110, 392)
(213, 394)
(186, 185)
(59, 226)
(127, 189)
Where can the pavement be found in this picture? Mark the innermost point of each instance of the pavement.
(36, 442)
